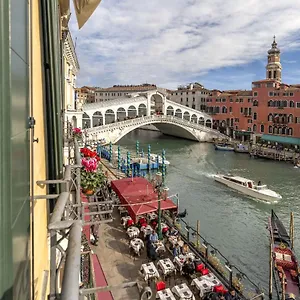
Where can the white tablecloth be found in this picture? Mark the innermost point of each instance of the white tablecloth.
(136, 244)
(190, 255)
(165, 295)
(203, 286)
(146, 230)
(160, 247)
(166, 266)
(183, 292)
(205, 283)
(211, 278)
(152, 216)
(149, 271)
(179, 261)
(174, 240)
(133, 232)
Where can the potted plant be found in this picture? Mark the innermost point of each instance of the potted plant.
(77, 133)
(92, 176)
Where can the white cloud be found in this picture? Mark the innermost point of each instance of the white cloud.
(167, 41)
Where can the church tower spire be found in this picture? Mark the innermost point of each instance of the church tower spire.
(274, 66)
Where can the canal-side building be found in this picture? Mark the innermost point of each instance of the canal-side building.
(193, 95)
(85, 94)
(231, 111)
(270, 108)
(33, 85)
(120, 91)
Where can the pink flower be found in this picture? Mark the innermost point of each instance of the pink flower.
(77, 131)
(90, 164)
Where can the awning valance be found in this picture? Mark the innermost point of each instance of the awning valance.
(281, 139)
(83, 8)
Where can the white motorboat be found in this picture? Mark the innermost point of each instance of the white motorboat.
(153, 158)
(248, 187)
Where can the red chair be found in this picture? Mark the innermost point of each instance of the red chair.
(160, 285)
(204, 271)
(219, 289)
(142, 221)
(200, 268)
(129, 223)
(165, 230)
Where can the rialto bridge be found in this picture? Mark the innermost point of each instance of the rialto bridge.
(115, 118)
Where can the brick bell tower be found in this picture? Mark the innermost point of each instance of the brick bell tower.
(274, 67)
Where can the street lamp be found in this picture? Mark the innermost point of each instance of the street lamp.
(158, 186)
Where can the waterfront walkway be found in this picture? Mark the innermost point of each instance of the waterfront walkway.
(117, 265)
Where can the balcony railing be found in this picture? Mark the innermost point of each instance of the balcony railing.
(67, 220)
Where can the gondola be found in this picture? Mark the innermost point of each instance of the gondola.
(283, 262)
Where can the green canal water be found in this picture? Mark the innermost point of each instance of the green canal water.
(233, 223)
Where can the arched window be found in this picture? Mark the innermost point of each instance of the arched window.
(186, 116)
(284, 103)
(224, 110)
(254, 128)
(291, 118)
(284, 131)
(208, 123)
(292, 103)
(255, 116)
(279, 130)
(290, 131)
(270, 103)
(255, 103)
(262, 128)
(270, 129)
(270, 117)
(201, 121)
(275, 130)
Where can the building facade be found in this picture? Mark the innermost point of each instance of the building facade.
(71, 69)
(119, 91)
(85, 94)
(232, 111)
(193, 95)
(32, 82)
(270, 107)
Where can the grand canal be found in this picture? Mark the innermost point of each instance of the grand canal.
(233, 223)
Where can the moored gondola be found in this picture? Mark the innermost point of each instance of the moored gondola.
(284, 267)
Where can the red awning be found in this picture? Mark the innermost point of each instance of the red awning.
(140, 195)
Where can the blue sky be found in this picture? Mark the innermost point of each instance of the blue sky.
(221, 44)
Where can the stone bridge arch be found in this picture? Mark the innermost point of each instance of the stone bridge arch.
(132, 111)
(110, 116)
(86, 121)
(97, 119)
(170, 110)
(121, 114)
(142, 110)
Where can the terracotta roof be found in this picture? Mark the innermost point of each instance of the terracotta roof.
(192, 90)
(265, 80)
(295, 85)
(245, 93)
(293, 88)
(225, 94)
(132, 88)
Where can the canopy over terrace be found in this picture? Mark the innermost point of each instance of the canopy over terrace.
(140, 196)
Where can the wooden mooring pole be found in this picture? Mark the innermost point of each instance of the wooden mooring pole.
(198, 234)
(271, 271)
(292, 229)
